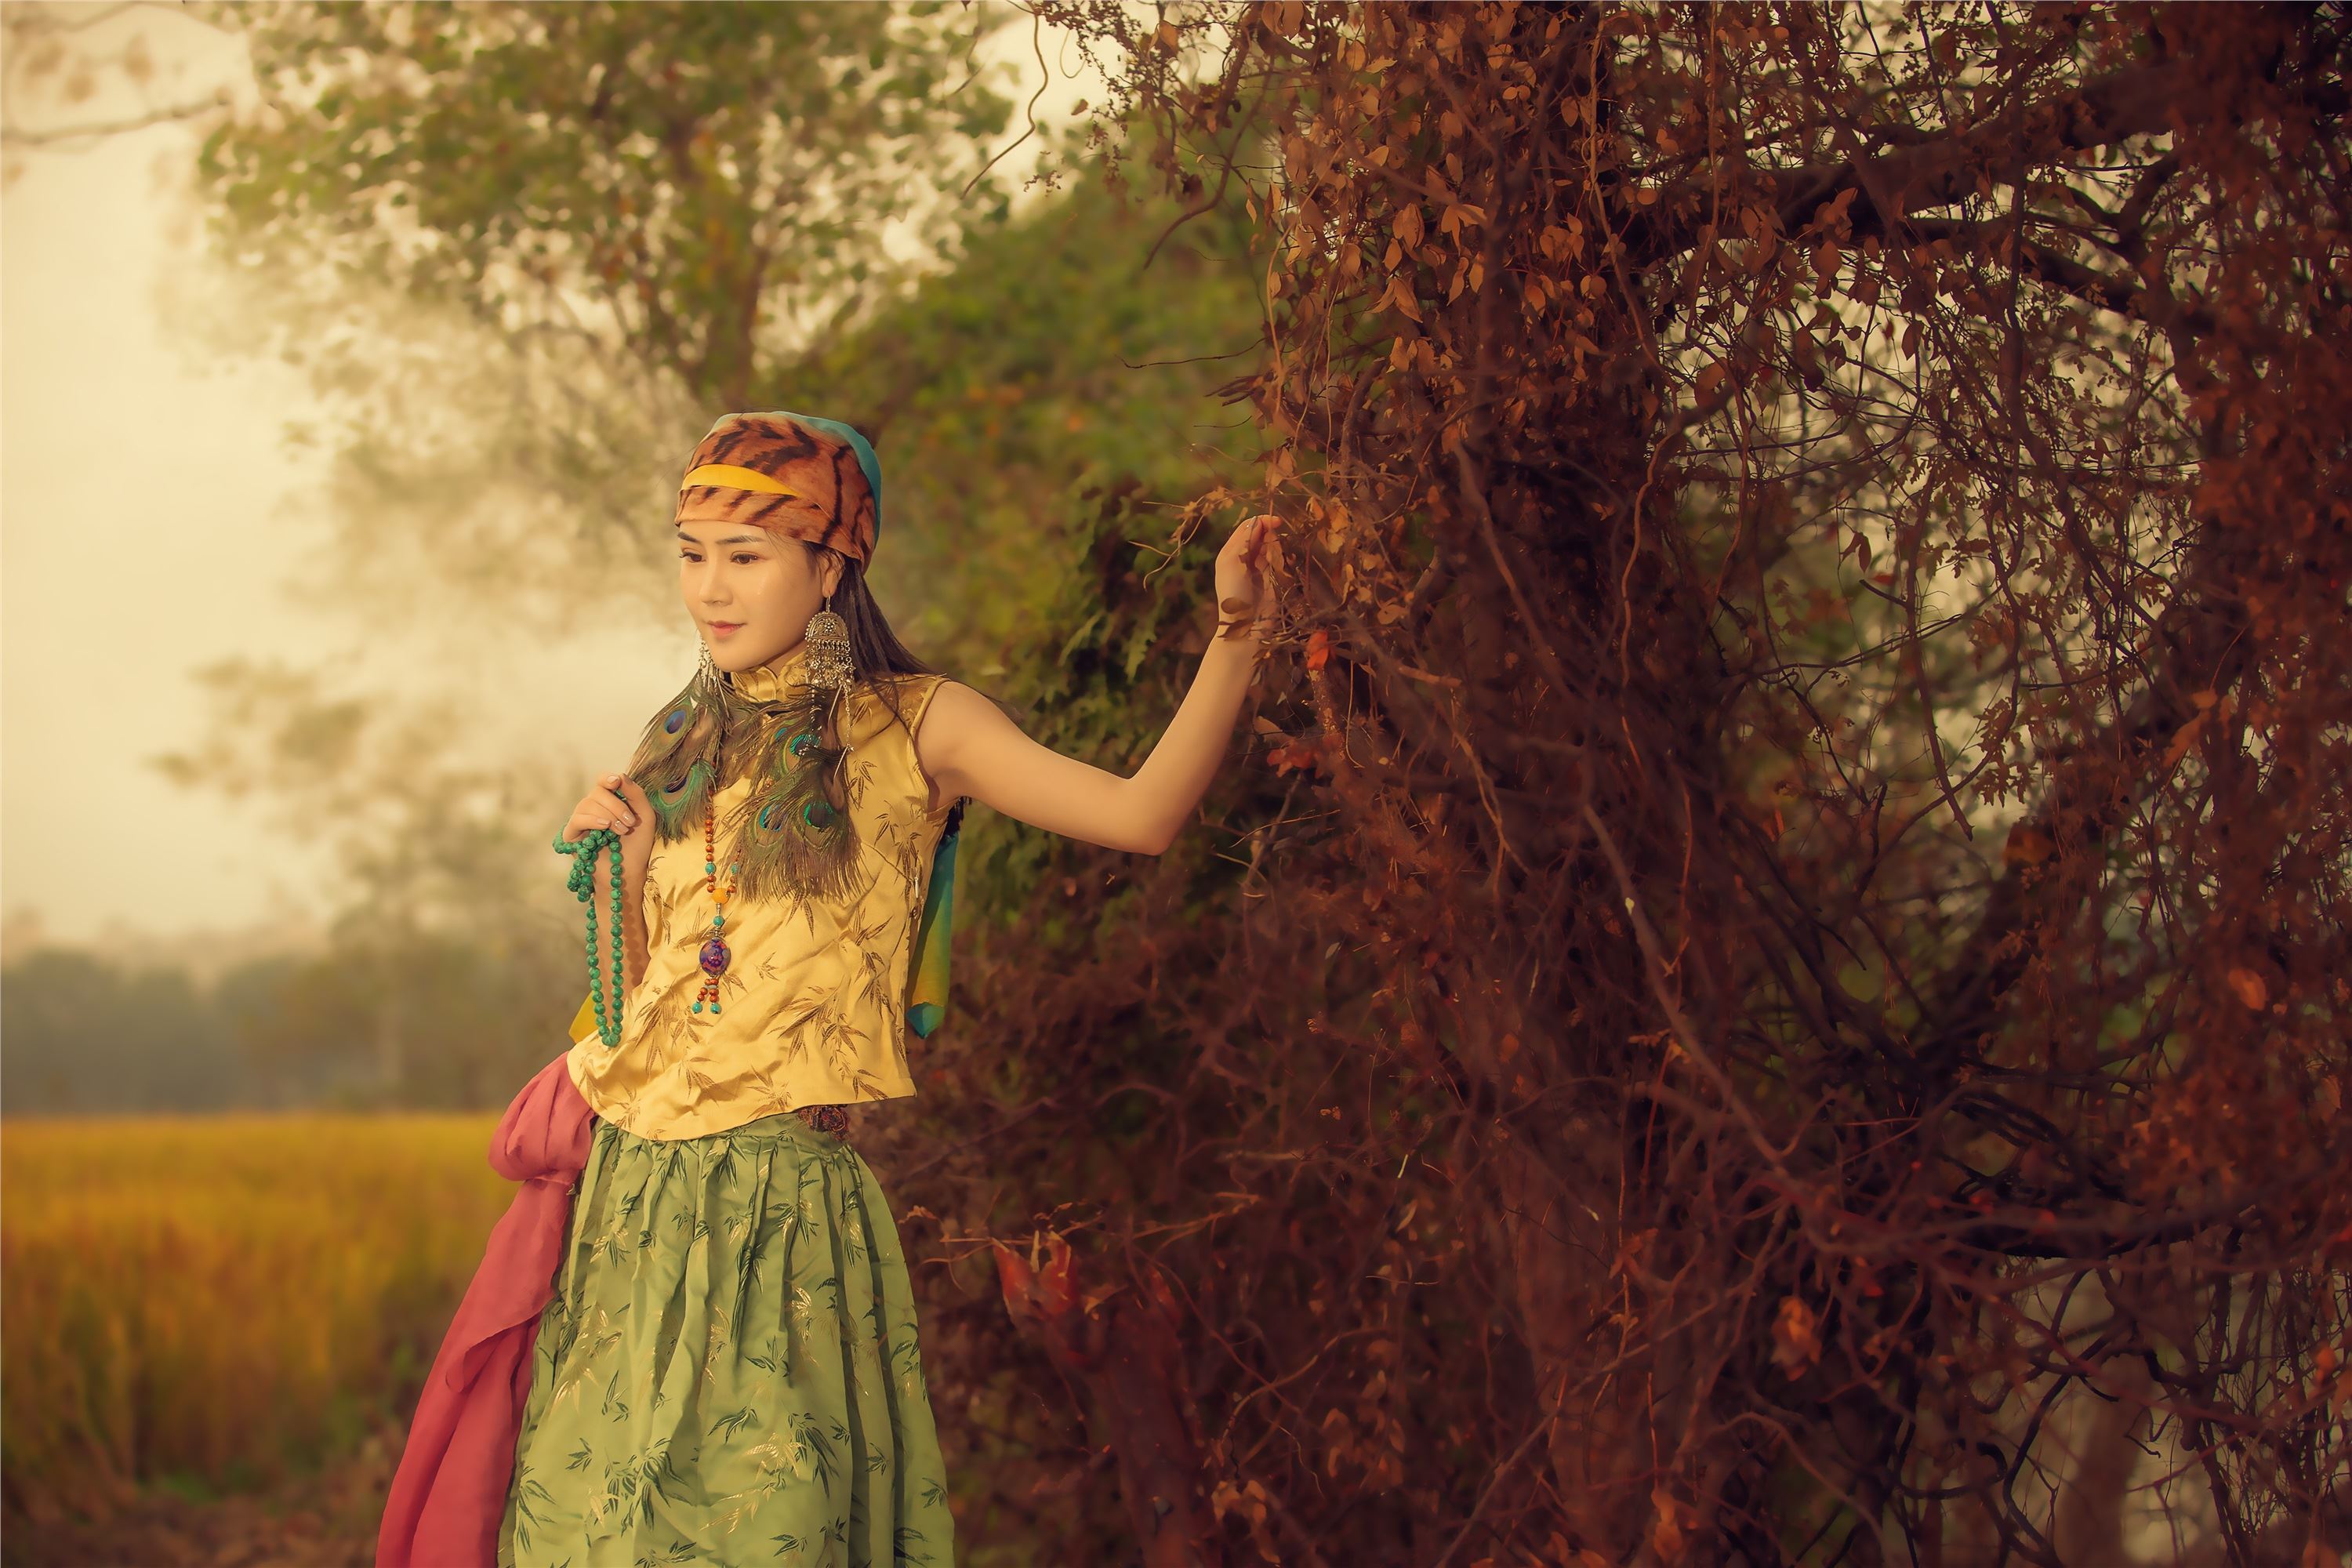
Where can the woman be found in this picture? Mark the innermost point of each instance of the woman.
(725, 1367)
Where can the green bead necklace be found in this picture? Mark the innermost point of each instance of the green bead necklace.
(583, 882)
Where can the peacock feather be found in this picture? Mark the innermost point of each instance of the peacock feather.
(679, 757)
(797, 836)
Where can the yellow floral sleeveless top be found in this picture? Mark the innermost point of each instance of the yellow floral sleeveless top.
(812, 1005)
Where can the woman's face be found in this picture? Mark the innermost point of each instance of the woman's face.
(750, 593)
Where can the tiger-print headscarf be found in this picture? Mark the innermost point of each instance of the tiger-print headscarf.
(787, 473)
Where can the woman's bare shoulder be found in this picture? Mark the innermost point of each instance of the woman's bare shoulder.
(911, 696)
(952, 713)
(957, 703)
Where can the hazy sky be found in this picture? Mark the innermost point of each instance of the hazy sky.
(149, 518)
(140, 518)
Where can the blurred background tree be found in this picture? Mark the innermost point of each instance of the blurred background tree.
(86, 1036)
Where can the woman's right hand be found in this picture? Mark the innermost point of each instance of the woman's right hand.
(620, 805)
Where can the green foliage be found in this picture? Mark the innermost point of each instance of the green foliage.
(86, 1033)
(425, 1020)
(383, 1017)
(1126, 627)
(1049, 366)
(687, 183)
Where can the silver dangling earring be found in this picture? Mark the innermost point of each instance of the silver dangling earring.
(830, 665)
(704, 667)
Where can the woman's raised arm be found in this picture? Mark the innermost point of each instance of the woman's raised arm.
(970, 748)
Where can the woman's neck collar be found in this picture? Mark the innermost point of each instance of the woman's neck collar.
(775, 680)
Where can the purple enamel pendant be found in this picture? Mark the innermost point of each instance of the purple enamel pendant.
(714, 957)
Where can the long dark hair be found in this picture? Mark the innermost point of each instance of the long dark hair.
(872, 644)
(875, 647)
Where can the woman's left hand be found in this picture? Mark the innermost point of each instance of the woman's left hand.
(1244, 604)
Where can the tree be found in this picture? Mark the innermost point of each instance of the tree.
(688, 184)
(87, 1036)
(63, 52)
(1819, 718)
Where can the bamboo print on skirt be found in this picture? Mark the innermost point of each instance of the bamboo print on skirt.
(727, 1371)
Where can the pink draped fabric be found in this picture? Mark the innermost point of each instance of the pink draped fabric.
(449, 1494)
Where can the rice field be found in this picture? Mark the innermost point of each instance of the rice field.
(210, 1305)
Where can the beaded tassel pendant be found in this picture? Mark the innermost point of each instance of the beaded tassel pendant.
(716, 954)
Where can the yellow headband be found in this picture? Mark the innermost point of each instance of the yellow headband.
(737, 478)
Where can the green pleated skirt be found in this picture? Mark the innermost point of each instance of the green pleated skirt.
(727, 1371)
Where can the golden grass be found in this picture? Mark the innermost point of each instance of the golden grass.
(218, 1300)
